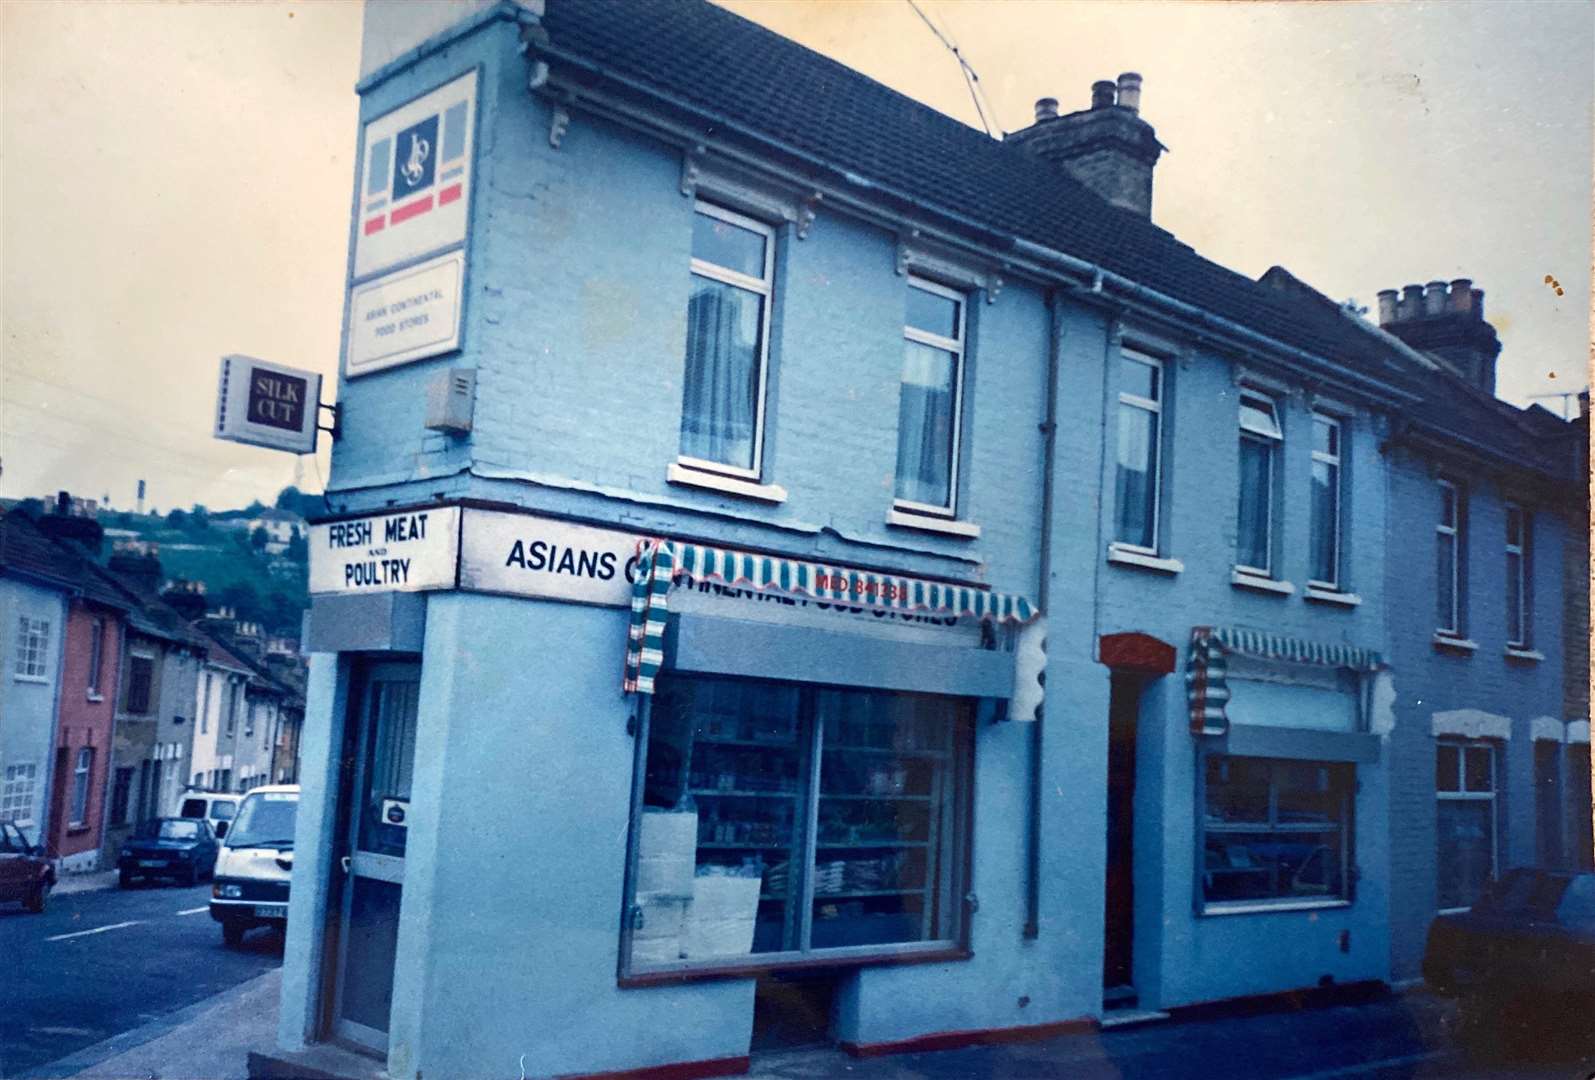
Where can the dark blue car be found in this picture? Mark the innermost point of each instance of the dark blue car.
(179, 848)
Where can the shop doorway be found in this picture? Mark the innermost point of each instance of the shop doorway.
(376, 805)
(792, 1011)
(1118, 980)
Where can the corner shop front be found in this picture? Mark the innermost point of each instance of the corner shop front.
(498, 831)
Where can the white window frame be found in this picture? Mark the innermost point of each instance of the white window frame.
(16, 798)
(1517, 637)
(1451, 533)
(230, 706)
(1334, 461)
(765, 289)
(956, 347)
(1155, 407)
(96, 659)
(33, 649)
(1462, 794)
(1272, 439)
(82, 771)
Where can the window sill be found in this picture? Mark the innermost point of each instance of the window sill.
(92, 696)
(1446, 641)
(1330, 596)
(1453, 911)
(965, 530)
(1129, 557)
(1533, 656)
(1264, 907)
(30, 678)
(748, 489)
(750, 968)
(77, 830)
(1241, 579)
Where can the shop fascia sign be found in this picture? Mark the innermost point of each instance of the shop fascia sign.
(513, 554)
(269, 405)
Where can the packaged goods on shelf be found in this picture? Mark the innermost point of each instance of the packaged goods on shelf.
(657, 937)
(666, 852)
(721, 917)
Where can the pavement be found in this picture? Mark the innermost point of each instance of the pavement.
(72, 884)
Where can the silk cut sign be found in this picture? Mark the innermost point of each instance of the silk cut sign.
(416, 174)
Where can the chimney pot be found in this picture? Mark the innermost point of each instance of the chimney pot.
(1462, 294)
(1130, 91)
(1387, 306)
(1102, 93)
(1434, 298)
(1046, 108)
(1478, 303)
(1411, 306)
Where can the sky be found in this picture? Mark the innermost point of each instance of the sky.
(176, 180)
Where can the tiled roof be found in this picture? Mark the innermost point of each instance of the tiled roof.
(766, 88)
(26, 549)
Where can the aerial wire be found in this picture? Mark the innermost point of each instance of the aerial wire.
(977, 93)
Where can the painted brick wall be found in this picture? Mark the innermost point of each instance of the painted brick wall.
(28, 733)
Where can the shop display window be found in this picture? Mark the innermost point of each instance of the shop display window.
(779, 821)
(1275, 831)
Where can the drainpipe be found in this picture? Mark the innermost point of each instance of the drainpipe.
(1049, 432)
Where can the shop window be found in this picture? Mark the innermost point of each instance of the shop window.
(728, 328)
(780, 822)
(1138, 475)
(1465, 787)
(16, 797)
(1328, 435)
(1260, 440)
(1275, 832)
(33, 648)
(928, 402)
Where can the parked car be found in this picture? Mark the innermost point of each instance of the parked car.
(26, 874)
(217, 807)
(257, 861)
(1522, 958)
(179, 848)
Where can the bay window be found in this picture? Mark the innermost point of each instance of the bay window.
(1275, 832)
(780, 822)
(1139, 460)
(1327, 449)
(1465, 787)
(929, 402)
(723, 389)
(1260, 440)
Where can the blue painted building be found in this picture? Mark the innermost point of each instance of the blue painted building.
(35, 584)
(679, 355)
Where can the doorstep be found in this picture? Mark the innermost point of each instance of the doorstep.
(322, 1061)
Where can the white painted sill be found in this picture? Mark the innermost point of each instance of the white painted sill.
(1129, 557)
(1330, 596)
(92, 696)
(1446, 641)
(1532, 655)
(966, 530)
(1241, 579)
(30, 678)
(1263, 907)
(748, 489)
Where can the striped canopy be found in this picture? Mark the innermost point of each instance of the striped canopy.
(661, 563)
(1206, 670)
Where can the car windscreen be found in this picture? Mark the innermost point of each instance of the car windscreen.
(192, 808)
(223, 810)
(266, 819)
(170, 829)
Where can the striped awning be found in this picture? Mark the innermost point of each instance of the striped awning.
(1206, 670)
(662, 563)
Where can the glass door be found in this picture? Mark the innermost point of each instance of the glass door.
(373, 859)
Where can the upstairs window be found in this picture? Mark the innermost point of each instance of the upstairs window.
(1327, 436)
(140, 684)
(33, 648)
(1260, 440)
(928, 404)
(96, 656)
(1139, 460)
(1448, 552)
(728, 316)
(1517, 583)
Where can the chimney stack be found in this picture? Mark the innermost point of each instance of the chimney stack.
(1107, 147)
(1448, 323)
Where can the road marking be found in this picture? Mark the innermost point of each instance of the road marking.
(1371, 1066)
(96, 930)
(194, 910)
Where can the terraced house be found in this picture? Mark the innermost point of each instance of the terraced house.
(888, 576)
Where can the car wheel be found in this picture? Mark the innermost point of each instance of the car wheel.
(37, 898)
(1479, 1029)
(233, 933)
(124, 880)
(189, 876)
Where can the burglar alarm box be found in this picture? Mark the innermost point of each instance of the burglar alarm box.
(450, 399)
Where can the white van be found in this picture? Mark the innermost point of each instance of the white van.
(217, 807)
(256, 862)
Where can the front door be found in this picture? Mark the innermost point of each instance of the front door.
(372, 862)
(1123, 705)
